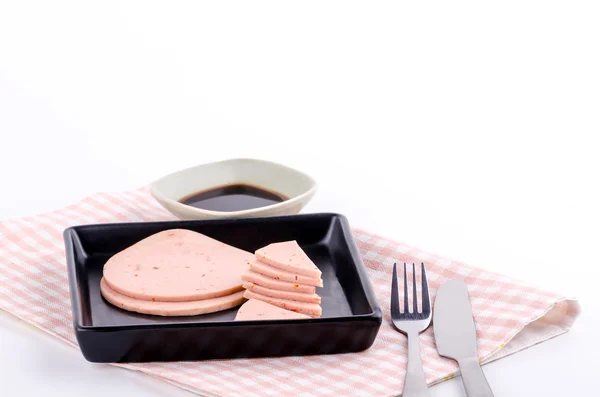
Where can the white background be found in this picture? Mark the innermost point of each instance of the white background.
(466, 129)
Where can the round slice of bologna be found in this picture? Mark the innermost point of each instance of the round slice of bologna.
(177, 266)
(192, 308)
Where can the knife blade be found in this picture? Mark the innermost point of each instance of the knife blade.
(455, 338)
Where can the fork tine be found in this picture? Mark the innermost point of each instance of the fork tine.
(405, 291)
(415, 308)
(424, 290)
(395, 303)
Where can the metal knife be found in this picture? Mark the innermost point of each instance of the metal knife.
(454, 331)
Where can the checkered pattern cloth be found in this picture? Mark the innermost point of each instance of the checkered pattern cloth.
(509, 315)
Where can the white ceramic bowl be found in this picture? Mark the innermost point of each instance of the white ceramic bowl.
(299, 187)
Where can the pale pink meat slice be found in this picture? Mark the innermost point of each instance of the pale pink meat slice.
(279, 274)
(190, 308)
(255, 309)
(176, 266)
(274, 293)
(310, 309)
(288, 256)
(276, 284)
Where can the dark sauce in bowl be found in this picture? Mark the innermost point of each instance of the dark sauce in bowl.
(237, 197)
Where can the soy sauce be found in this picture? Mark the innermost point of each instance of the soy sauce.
(236, 197)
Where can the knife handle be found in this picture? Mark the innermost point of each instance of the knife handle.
(474, 380)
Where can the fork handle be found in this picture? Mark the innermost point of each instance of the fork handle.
(415, 384)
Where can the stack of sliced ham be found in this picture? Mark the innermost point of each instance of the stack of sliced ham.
(176, 273)
(284, 276)
(179, 272)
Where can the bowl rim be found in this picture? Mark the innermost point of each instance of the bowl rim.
(160, 197)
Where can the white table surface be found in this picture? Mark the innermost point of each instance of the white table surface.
(464, 129)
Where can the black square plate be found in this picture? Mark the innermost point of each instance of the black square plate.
(351, 314)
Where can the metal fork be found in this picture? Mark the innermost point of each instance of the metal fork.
(412, 324)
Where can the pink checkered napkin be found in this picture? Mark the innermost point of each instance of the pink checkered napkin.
(510, 316)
